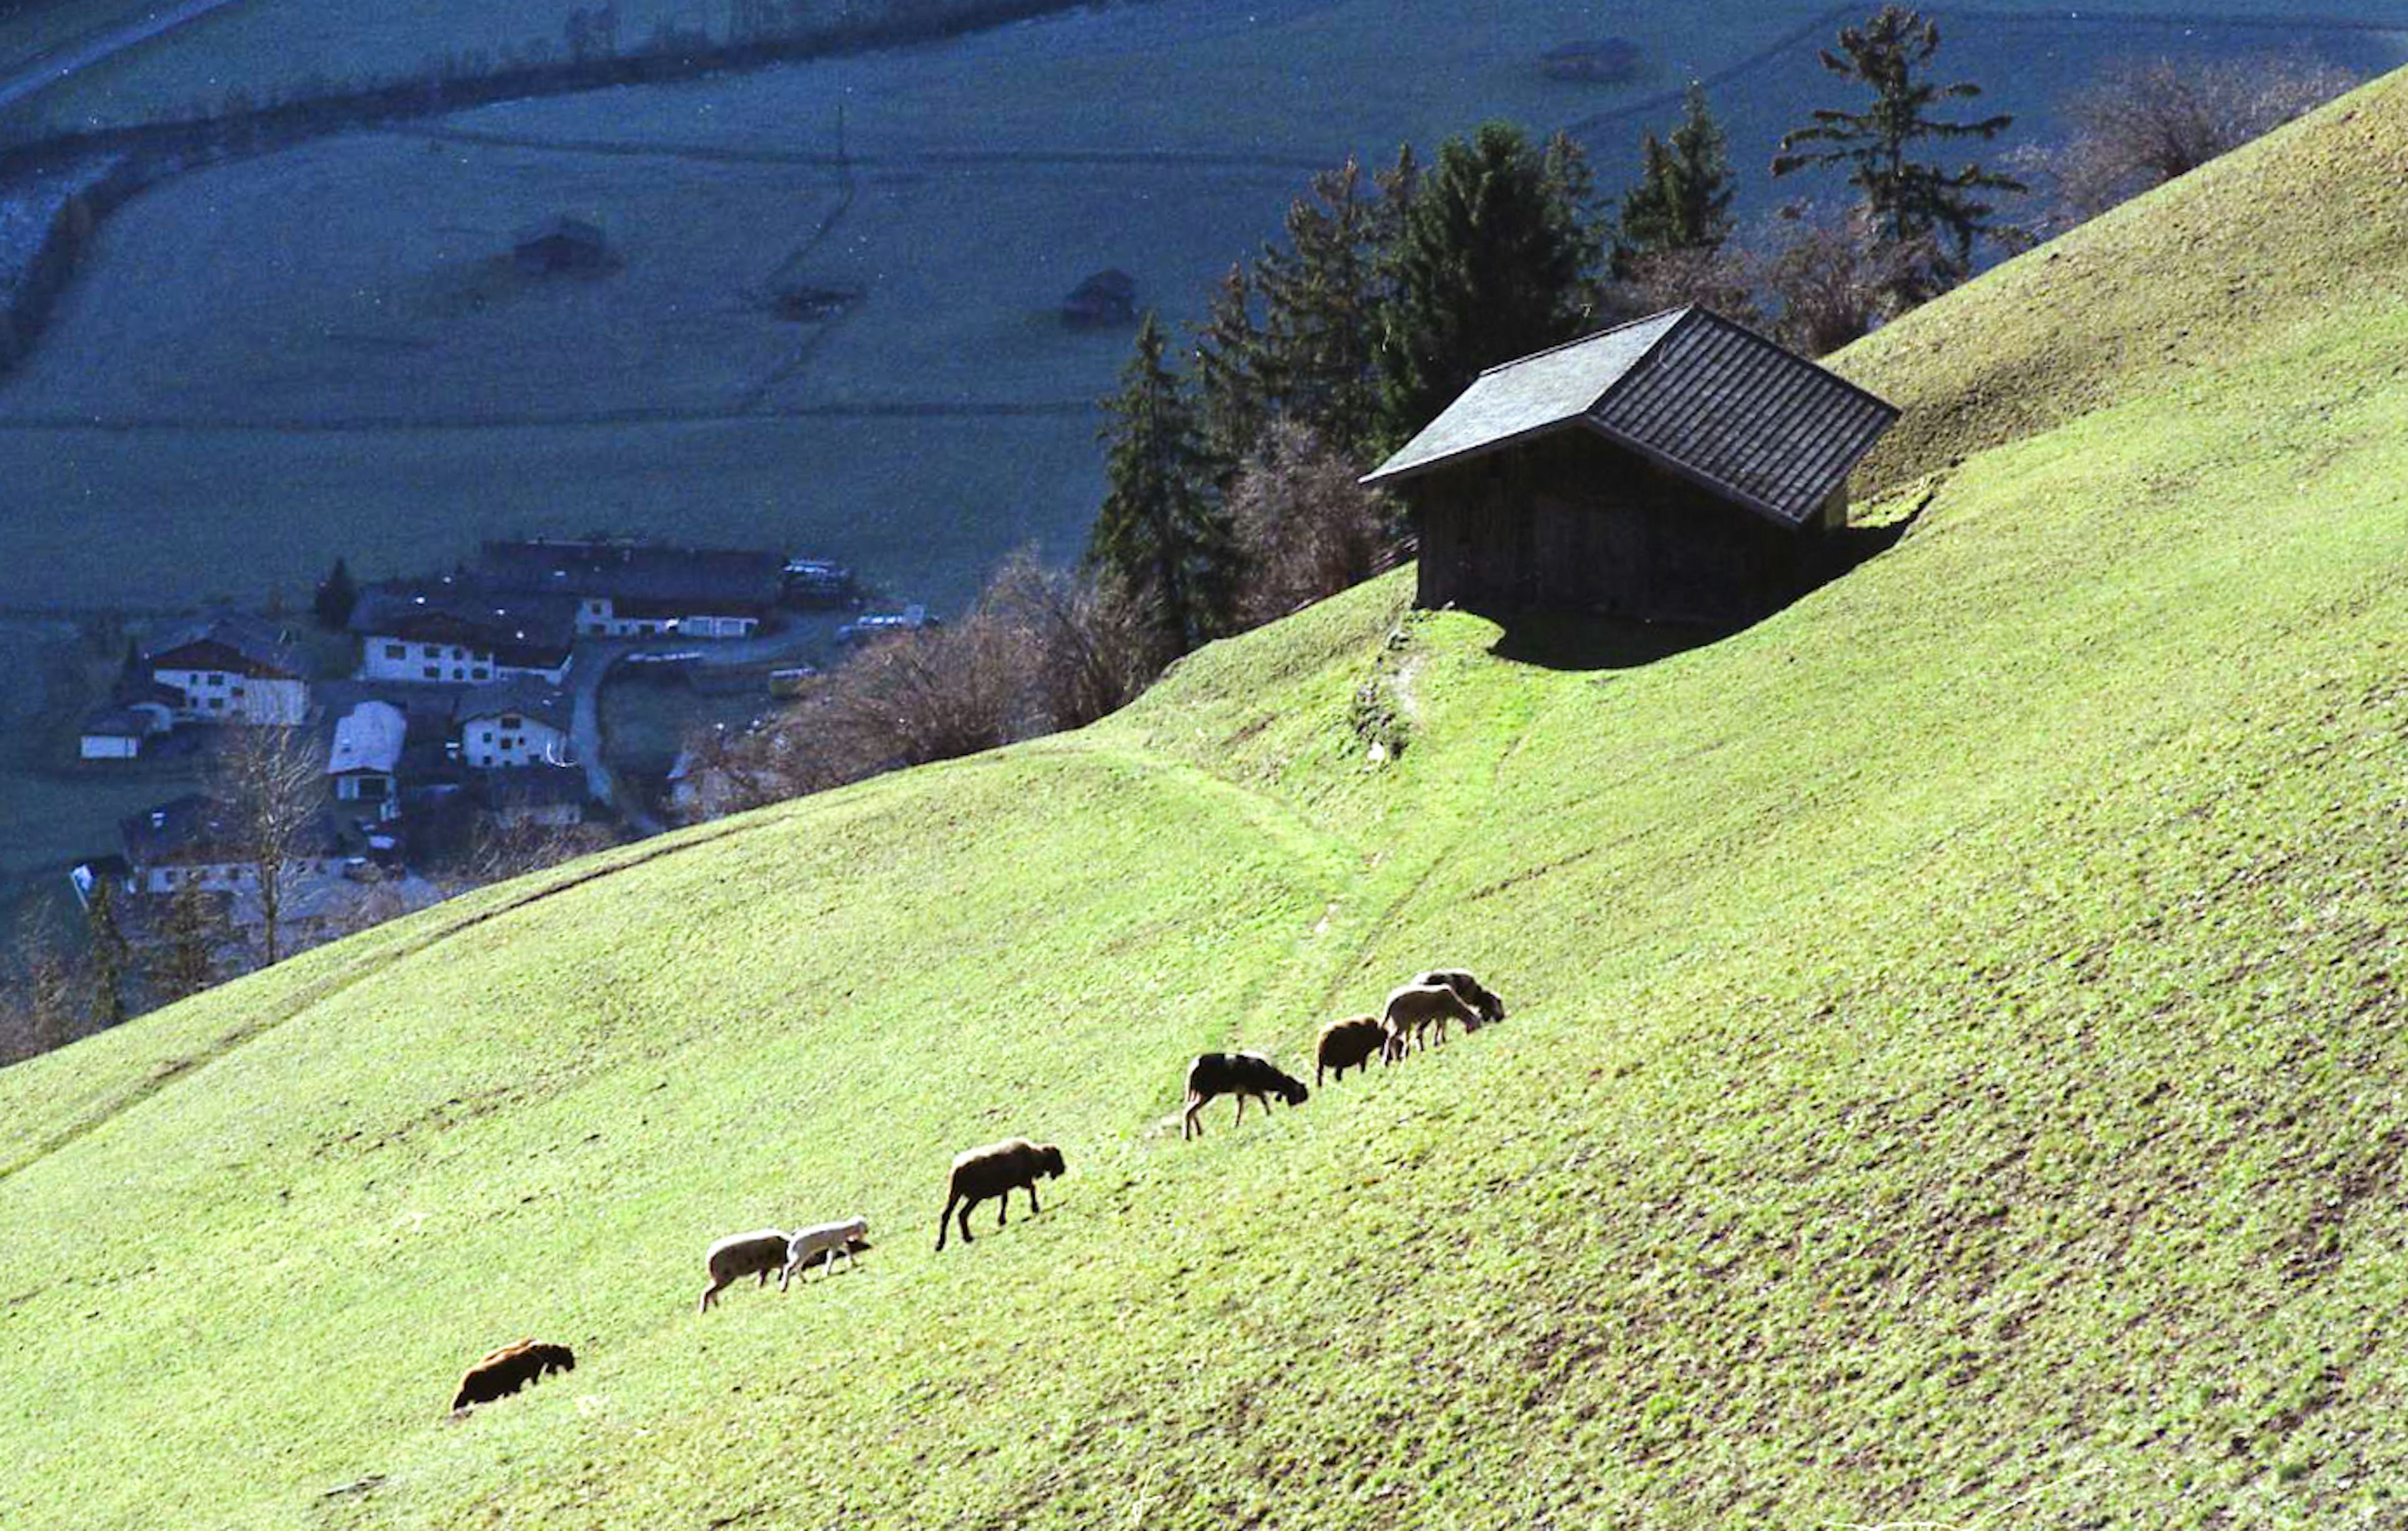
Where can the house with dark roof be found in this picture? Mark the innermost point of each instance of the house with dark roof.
(519, 796)
(515, 723)
(1678, 468)
(628, 588)
(461, 630)
(230, 667)
(199, 841)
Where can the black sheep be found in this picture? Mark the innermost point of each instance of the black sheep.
(1238, 1074)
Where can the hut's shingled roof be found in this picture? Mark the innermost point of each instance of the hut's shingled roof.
(1708, 399)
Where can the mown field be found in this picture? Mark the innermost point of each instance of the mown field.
(1953, 1073)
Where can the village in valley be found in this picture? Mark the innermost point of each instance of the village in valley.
(463, 739)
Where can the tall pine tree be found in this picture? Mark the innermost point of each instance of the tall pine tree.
(1494, 257)
(1912, 202)
(1682, 203)
(1159, 535)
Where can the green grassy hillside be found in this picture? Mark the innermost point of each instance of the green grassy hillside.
(1955, 1076)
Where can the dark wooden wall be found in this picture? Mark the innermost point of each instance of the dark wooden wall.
(1575, 523)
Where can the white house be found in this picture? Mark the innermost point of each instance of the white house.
(230, 668)
(514, 723)
(194, 841)
(457, 632)
(365, 761)
(642, 589)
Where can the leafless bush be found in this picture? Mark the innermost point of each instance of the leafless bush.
(1042, 651)
(1831, 279)
(1723, 279)
(2143, 121)
(42, 987)
(500, 849)
(1307, 528)
(1084, 643)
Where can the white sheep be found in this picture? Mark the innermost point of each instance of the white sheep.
(828, 1238)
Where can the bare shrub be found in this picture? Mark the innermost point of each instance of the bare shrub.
(500, 849)
(1832, 279)
(1307, 528)
(1723, 279)
(1043, 650)
(1084, 641)
(273, 785)
(2143, 121)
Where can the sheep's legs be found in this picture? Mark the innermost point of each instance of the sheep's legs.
(1033, 1208)
(945, 1218)
(710, 1294)
(1188, 1124)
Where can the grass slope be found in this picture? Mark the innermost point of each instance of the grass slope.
(1954, 1076)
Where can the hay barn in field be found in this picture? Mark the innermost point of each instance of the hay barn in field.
(560, 243)
(1678, 468)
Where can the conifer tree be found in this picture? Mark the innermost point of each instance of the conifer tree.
(1681, 203)
(109, 954)
(335, 596)
(1159, 535)
(1912, 202)
(1321, 310)
(1494, 257)
(1232, 400)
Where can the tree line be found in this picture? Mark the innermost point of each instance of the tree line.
(1232, 453)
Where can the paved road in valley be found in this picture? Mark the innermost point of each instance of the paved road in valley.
(59, 63)
(592, 663)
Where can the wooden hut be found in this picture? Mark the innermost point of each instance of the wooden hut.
(1677, 468)
(1105, 299)
(560, 243)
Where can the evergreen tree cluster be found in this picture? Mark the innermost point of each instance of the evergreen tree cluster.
(1390, 292)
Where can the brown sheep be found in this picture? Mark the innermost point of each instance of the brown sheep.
(738, 1256)
(503, 1371)
(1238, 1074)
(1414, 1009)
(1345, 1044)
(982, 1174)
(1471, 991)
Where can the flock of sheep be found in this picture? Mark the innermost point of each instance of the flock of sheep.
(1415, 1016)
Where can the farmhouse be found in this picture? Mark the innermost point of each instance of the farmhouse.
(1679, 468)
(512, 723)
(196, 841)
(365, 761)
(461, 631)
(230, 668)
(625, 589)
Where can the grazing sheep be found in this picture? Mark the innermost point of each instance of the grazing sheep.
(1238, 1074)
(1345, 1044)
(1414, 1009)
(997, 1169)
(739, 1255)
(503, 1371)
(1471, 991)
(823, 1243)
(849, 1249)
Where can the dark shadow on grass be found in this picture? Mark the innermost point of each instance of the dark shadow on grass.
(1559, 639)
(1582, 641)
